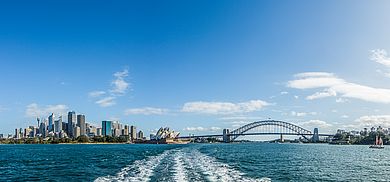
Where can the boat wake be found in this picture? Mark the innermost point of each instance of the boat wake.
(182, 165)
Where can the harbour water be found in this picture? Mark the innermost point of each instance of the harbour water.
(194, 162)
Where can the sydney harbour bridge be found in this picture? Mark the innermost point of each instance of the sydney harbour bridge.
(266, 127)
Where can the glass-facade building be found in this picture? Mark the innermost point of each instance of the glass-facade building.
(107, 128)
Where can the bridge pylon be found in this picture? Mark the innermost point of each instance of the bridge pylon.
(281, 138)
(226, 136)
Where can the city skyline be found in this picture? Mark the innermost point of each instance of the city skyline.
(170, 66)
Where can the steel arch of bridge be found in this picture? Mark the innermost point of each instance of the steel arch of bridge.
(294, 129)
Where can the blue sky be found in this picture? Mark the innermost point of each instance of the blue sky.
(196, 66)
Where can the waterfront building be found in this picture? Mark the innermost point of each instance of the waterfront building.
(126, 130)
(51, 122)
(76, 131)
(71, 123)
(27, 132)
(98, 131)
(140, 135)
(107, 128)
(58, 125)
(81, 124)
(117, 132)
(133, 132)
(65, 127)
(1, 136)
(43, 129)
(91, 130)
(17, 133)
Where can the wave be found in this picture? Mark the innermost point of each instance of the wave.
(218, 171)
(140, 170)
(187, 164)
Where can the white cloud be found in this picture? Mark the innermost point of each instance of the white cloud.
(96, 93)
(106, 102)
(198, 129)
(33, 110)
(340, 87)
(374, 121)
(341, 100)
(344, 116)
(296, 96)
(242, 118)
(120, 85)
(318, 95)
(224, 107)
(302, 114)
(315, 124)
(145, 111)
(283, 93)
(380, 56)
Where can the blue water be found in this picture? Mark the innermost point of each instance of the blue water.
(195, 162)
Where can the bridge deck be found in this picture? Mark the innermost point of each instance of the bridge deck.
(243, 134)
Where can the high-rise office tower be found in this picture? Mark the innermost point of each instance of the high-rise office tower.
(58, 125)
(107, 128)
(43, 129)
(133, 132)
(76, 131)
(51, 122)
(81, 124)
(98, 131)
(71, 123)
(126, 130)
(140, 135)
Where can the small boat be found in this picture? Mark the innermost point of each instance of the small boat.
(378, 143)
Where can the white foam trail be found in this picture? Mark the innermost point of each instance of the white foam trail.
(217, 171)
(180, 170)
(140, 170)
(188, 165)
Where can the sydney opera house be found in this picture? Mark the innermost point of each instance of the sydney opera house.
(166, 136)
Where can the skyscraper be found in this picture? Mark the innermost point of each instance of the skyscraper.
(133, 132)
(140, 135)
(76, 131)
(51, 122)
(126, 130)
(81, 124)
(106, 128)
(71, 123)
(43, 129)
(58, 125)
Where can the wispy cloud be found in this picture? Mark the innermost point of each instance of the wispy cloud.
(106, 101)
(314, 124)
(333, 86)
(145, 111)
(254, 118)
(96, 93)
(283, 93)
(34, 110)
(373, 121)
(119, 87)
(119, 84)
(200, 129)
(380, 56)
(224, 107)
(302, 114)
